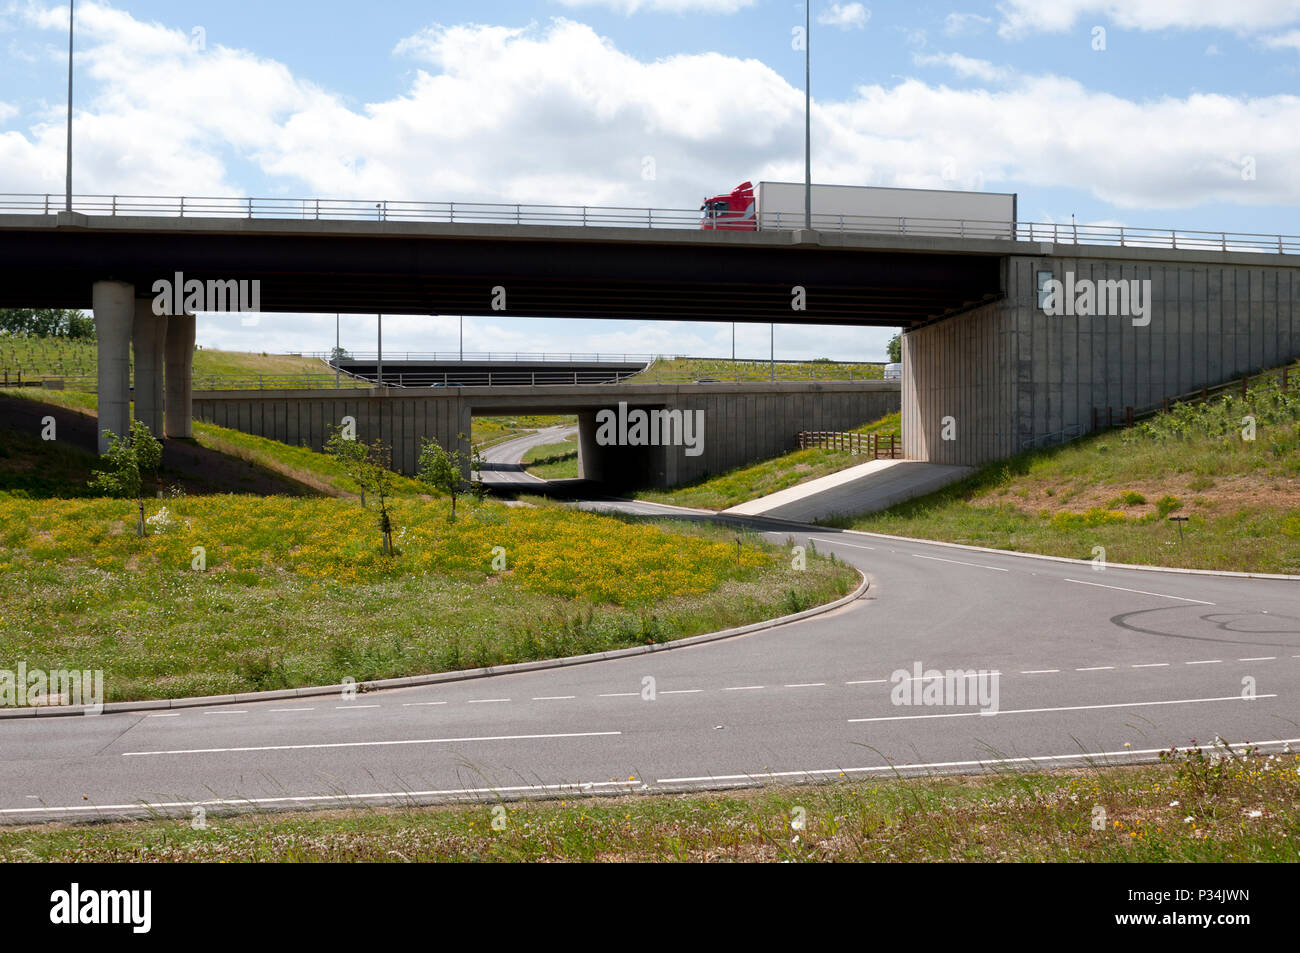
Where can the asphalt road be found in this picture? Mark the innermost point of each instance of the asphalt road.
(1115, 664)
(502, 463)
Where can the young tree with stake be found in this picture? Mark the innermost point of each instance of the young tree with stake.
(127, 458)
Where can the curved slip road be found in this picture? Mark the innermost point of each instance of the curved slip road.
(503, 463)
(1117, 664)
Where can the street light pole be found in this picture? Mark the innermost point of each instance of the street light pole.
(807, 115)
(338, 354)
(67, 201)
(379, 364)
(462, 339)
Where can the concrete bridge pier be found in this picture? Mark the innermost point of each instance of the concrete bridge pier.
(590, 457)
(114, 307)
(179, 347)
(148, 334)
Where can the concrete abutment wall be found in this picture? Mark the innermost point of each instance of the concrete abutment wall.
(742, 423)
(1006, 375)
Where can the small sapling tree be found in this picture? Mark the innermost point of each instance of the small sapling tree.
(129, 457)
(367, 465)
(440, 469)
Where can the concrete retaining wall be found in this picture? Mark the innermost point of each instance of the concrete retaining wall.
(1008, 374)
(743, 423)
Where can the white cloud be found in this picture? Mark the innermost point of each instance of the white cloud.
(1284, 41)
(629, 7)
(845, 16)
(965, 66)
(555, 113)
(7, 111)
(956, 24)
(1036, 16)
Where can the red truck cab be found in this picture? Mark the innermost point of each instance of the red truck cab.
(733, 212)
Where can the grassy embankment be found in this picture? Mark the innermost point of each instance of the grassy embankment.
(56, 357)
(1242, 808)
(722, 369)
(554, 461)
(490, 431)
(296, 591)
(1117, 489)
(768, 476)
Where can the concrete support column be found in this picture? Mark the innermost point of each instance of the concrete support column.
(180, 376)
(149, 336)
(590, 456)
(114, 306)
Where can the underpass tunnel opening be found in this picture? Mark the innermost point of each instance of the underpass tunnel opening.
(608, 446)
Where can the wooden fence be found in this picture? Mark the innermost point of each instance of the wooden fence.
(876, 446)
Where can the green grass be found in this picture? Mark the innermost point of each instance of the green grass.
(553, 461)
(49, 469)
(1116, 490)
(35, 358)
(1188, 809)
(768, 476)
(318, 471)
(296, 591)
(488, 431)
(722, 369)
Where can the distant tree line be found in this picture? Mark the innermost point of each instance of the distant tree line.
(47, 323)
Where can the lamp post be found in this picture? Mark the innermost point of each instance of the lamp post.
(807, 115)
(67, 201)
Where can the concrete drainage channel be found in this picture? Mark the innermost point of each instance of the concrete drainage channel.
(437, 678)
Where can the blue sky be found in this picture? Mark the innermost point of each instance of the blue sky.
(1137, 112)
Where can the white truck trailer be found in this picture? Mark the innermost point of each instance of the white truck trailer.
(855, 208)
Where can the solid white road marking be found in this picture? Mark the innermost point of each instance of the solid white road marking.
(380, 744)
(165, 714)
(869, 681)
(743, 688)
(290, 709)
(578, 788)
(836, 542)
(1046, 758)
(355, 706)
(242, 712)
(485, 701)
(1208, 661)
(1036, 711)
(683, 691)
(1041, 671)
(1096, 668)
(1261, 658)
(807, 685)
(418, 704)
(1141, 592)
(553, 698)
(960, 563)
(1151, 665)
(620, 695)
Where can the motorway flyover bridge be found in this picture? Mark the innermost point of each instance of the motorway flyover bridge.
(986, 370)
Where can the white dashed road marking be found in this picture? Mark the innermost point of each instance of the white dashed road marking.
(381, 744)
(1141, 592)
(1035, 711)
(960, 563)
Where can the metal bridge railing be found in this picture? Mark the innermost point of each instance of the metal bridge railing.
(589, 216)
